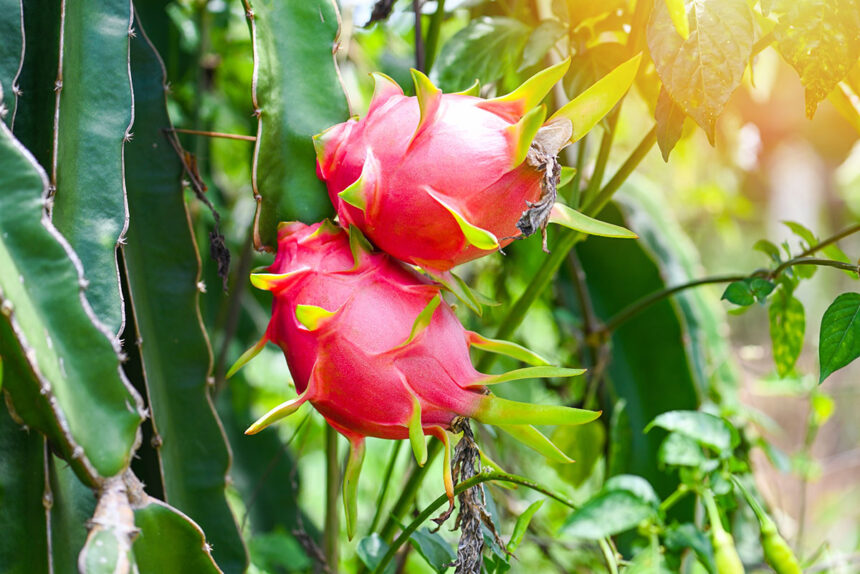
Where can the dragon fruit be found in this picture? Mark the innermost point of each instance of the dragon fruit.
(440, 179)
(375, 349)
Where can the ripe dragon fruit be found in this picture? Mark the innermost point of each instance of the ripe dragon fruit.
(440, 179)
(375, 349)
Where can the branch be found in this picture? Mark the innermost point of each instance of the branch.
(803, 259)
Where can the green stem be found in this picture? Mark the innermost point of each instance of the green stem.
(386, 481)
(563, 244)
(332, 486)
(576, 195)
(602, 156)
(637, 307)
(596, 205)
(609, 555)
(443, 499)
(679, 493)
(430, 47)
(713, 511)
(409, 491)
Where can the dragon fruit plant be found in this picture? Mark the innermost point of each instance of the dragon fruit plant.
(440, 179)
(375, 349)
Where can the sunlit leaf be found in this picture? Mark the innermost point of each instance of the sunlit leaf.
(821, 40)
(787, 326)
(670, 123)
(701, 72)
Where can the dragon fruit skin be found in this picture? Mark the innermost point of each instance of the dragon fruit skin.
(374, 348)
(436, 179)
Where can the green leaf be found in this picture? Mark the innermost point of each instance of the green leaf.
(371, 550)
(701, 72)
(589, 107)
(839, 338)
(584, 444)
(540, 42)
(706, 429)
(297, 94)
(486, 49)
(821, 41)
(670, 123)
(163, 274)
(433, 548)
(63, 372)
(802, 231)
(787, 326)
(681, 537)
(681, 450)
(11, 54)
(24, 544)
(522, 525)
(608, 513)
(748, 291)
(94, 119)
(169, 541)
(635, 485)
(578, 221)
(769, 249)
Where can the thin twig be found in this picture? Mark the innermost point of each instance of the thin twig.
(419, 41)
(215, 134)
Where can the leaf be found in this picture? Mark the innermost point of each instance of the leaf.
(578, 221)
(485, 50)
(541, 41)
(433, 548)
(787, 326)
(701, 72)
(94, 117)
(522, 525)
(371, 550)
(163, 272)
(63, 371)
(769, 249)
(297, 94)
(24, 544)
(681, 537)
(748, 291)
(839, 338)
(678, 13)
(635, 485)
(584, 444)
(589, 107)
(607, 514)
(681, 450)
(802, 231)
(169, 541)
(706, 429)
(821, 41)
(11, 54)
(670, 123)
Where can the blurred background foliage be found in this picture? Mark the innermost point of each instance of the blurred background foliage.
(697, 215)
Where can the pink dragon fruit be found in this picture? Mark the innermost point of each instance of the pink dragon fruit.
(440, 179)
(375, 349)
